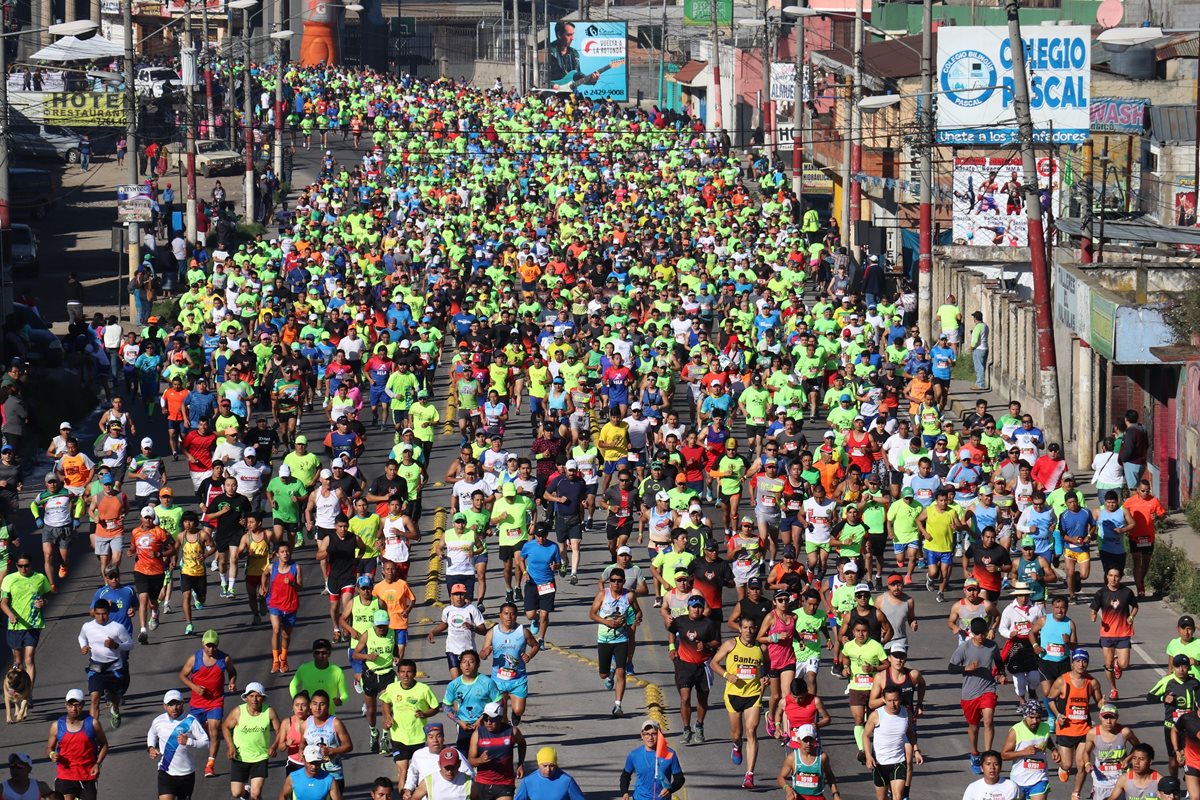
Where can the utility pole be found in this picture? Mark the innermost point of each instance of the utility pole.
(277, 153)
(248, 121)
(6, 290)
(798, 116)
(765, 111)
(718, 121)
(519, 83)
(190, 87)
(662, 57)
(1086, 213)
(208, 76)
(847, 150)
(1047, 355)
(925, 234)
(855, 188)
(131, 114)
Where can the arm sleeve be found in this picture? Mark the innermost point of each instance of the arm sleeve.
(151, 736)
(199, 735)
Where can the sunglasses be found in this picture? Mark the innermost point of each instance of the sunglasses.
(26, 565)
(616, 580)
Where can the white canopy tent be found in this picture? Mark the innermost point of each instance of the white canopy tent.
(70, 48)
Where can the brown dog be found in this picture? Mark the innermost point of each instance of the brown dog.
(17, 688)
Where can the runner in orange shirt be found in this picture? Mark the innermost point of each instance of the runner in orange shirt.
(75, 468)
(172, 406)
(398, 599)
(150, 547)
(1145, 510)
(107, 513)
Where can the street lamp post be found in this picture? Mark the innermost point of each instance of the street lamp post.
(247, 110)
(798, 107)
(277, 154)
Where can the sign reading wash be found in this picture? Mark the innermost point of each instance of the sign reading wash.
(975, 85)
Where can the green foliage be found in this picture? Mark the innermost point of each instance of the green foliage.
(1184, 317)
(248, 230)
(1192, 512)
(1174, 576)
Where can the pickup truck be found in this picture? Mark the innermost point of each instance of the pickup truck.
(212, 158)
(157, 82)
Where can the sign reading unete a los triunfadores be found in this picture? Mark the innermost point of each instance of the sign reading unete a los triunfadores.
(975, 84)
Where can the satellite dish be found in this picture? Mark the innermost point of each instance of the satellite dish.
(1110, 13)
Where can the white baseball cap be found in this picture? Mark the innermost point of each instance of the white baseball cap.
(337, 462)
(806, 732)
(75, 694)
(64, 426)
(572, 464)
(326, 473)
(313, 754)
(624, 550)
(663, 496)
(148, 512)
(147, 442)
(492, 710)
(249, 452)
(284, 471)
(254, 687)
(172, 696)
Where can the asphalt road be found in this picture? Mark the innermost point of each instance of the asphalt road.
(568, 707)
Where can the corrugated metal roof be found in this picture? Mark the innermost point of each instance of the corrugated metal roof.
(1184, 46)
(1173, 124)
(1135, 231)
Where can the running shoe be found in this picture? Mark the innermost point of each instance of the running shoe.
(770, 727)
(976, 764)
(166, 607)
(629, 670)
(115, 718)
(143, 637)
(608, 683)
(879, 583)
(1117, 672)
(153, 623)
(274, 665)
(748, 781)
(699, 734)
(574, 579)
(210, 769)
(1063, 775)
(735, 755)
(941, 597)
(283, 666)
(1114, 695)
(375, 740)
(929, 584)
(658, 602)
(62, 572)
(358, 686)
(617, 710)
(534, 627)
(687, 735)
(188, 629)
(908, 580)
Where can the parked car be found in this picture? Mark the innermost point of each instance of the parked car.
(157, 82)
(213, 157)
(32, 192)
(45, 141)
(24, 241)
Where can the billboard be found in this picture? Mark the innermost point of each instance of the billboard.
(975, 83)
(1119, 114)
(589, 58)
(989, 204)
(699, 12)
(134, 203)
(71, 109)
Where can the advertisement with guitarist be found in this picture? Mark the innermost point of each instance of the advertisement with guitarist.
(588, 58)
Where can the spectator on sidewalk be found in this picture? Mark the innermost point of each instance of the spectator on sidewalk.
(980, 336)
(1135, 445)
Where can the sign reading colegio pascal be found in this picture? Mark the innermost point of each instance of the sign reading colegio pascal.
(975, 84)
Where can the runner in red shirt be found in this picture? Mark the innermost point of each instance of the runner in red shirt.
(1144, 510)
(150, 547)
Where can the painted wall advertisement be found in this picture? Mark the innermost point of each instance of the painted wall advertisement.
(589, 58)
(989, 204)
(975, 81)
(70, 109)
(1119, 114)
(699, 12)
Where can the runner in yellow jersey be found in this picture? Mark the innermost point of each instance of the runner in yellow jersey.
(743, 664)
(256, 548)
(195, 546)
(938, 524)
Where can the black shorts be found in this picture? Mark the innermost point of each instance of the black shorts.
(943, 382)
(224, 541)
(878, 544)
(1068, 741)
(404, 752)
(1116, 642)
(1112, 561)
(375, 682)
(180, 786)
(1053, 669)
(507, 552)
(286, 527)
(614, 532)
(147, 584)
(740, 704)
(895, 477)
(538, 602)
(753, 431)
(84, 790)
(242, 772)
(568, 528)
(197, 584)
(1142, 549)
(885, 774)
(109, 681)
(692, 676)
(606, 652)
(488, 791)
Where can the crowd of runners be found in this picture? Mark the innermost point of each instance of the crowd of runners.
(767, 454)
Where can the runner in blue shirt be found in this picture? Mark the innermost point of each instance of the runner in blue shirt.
(654, 774)
(539, 560)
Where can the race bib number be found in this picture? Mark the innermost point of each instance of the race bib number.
(1033, 763)
(744, 562)
(758, 420)
(856, 452)
(769, 500)
(806, 780)
(1142, 541)
(112, 524)
(746, 672)
(793, 505)
(506, 674)
(1022, 628)
(808, 636)
(1077, 713)
(1056, 650)
(634, 458)
(862, 681)
(546, 588)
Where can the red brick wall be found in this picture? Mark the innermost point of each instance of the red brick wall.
(1125, 393)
